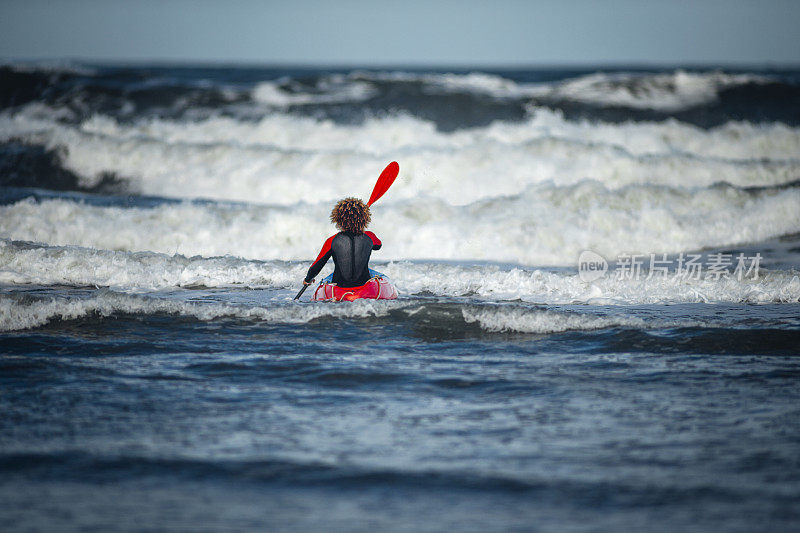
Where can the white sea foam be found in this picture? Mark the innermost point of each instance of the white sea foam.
(735, 141)
(334, 89)
(666, 91)
(18, 311)
(558, 287)
(284, 160)
(26, 263)
(663, 92)
(376, 136)
(516, 318)
(22, 313)
(544, 225)
(521, 320)
(670, 91)
(535, 192)
(472, 82)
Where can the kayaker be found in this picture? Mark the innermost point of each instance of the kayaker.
(350, 248)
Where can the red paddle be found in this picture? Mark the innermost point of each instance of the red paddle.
(385, 181)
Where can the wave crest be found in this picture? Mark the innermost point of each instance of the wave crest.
(26, 263)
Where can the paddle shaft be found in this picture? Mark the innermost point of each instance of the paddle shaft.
(299, 294)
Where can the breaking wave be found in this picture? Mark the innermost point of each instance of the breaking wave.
(543, 225)
(26, 263)
(285, 160)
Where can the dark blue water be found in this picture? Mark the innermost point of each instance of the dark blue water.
(156, 374)
(407, 423)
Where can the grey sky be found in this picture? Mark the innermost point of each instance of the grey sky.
(361, 32)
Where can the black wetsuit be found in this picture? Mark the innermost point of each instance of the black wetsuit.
(350, 253)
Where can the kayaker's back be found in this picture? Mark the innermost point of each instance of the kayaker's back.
(351, 252)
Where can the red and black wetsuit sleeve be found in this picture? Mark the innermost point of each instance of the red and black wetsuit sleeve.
(376, 242)
(321, 259)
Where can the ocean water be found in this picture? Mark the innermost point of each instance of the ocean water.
(156, 373)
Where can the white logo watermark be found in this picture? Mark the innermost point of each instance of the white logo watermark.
(592, 266)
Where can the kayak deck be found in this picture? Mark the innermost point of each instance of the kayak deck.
(377, 288)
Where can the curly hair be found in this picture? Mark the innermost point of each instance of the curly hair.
(351, 214)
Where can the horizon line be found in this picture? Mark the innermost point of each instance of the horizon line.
(579, 65)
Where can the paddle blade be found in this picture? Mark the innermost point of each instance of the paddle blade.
(385, 181)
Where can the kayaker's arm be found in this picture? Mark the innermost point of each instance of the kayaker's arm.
(376, 242)
(320, 261)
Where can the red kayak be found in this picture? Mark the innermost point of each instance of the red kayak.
(375, 289)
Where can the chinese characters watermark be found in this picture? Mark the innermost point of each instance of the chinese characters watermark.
(593, 266)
